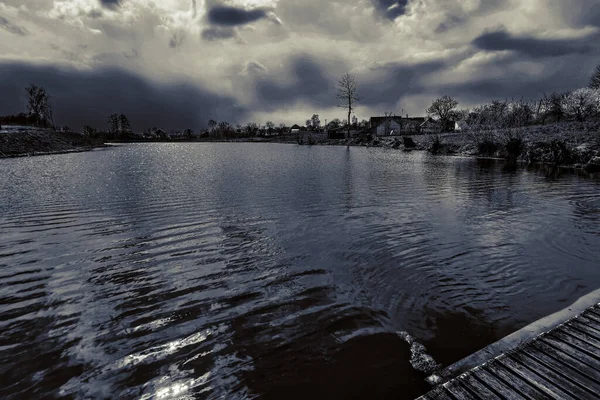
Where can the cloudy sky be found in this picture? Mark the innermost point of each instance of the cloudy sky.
(178, 63)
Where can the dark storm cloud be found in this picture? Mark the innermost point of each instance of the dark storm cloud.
(110, 3)
(80, 98)
(391, 9)
(502, 40)
(386, 84)
(12, 28)
(233, 16)
(310, 84)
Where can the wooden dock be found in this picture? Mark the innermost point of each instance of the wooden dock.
(550, 359)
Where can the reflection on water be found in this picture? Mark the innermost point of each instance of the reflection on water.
(275, 271)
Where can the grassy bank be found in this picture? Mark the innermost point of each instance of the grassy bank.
(569, 144)
(38, 142)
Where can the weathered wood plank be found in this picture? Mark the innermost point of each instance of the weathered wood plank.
(516, 382)
(590, 323)
(591, 315)
(578, 344)
(540, 382)
(457, 390)
(497, 385)
(562, 341)
(556, 375)
(584, 328)
(476, 386)
(550, 346)
(581, 334)
(562, 362)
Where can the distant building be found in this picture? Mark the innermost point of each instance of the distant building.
(295, 128)
(461, 126)
(430, 126)
(395, 125)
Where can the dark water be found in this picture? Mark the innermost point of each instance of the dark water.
(274, 271)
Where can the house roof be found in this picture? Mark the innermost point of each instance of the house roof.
(380, 120)
(295, 126)
(430, 121)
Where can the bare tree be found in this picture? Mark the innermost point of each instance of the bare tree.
(269, 124)
(315, 121)
(212, 125)
(113, 123)
(581, 103)
(38, 104)
(595, 79)
(348, 95)
(443, 108)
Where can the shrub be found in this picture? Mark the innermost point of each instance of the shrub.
(514, 147)
(487, 147)
(409, 143)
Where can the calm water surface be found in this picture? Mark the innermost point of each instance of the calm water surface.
(238, 271)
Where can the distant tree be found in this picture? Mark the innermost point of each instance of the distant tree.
(89, 131)
(188, 133)
(354, 122)
(443, 109)
(335, 123)
(581, 103)
(308, 123)
(38, 104)
(113, 123)
(269, 124)
(124, 125)
(348, 95)
(364, 124)
(595, 79)
(315, 121)
(212, 125)
(224, 128)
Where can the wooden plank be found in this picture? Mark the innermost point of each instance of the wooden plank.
(580, 345)
(475, 386)
(591, 315)
(534, 361)
(541, 383)
(582, 334)
(590, 323)
(457, 390)
(567, 337)
(560, 351)
(516, 382)
(497, 385)
(584, 328)
(559, 381)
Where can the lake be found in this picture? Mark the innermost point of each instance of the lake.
(158, 271)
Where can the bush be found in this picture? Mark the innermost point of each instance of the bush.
(409, 143)
(514, 147)
(436, 146)
(487, 147)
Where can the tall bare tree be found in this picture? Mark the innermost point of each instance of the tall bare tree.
(595, 79)
(443, 108)
(38, 104)
(348, 95)
(315, 121)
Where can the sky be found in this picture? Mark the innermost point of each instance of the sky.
(178, 63)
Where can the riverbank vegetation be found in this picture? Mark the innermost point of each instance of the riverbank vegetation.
(559, 128)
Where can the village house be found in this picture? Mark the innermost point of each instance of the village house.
(430, 126)
(295, 128)
(395, 125)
